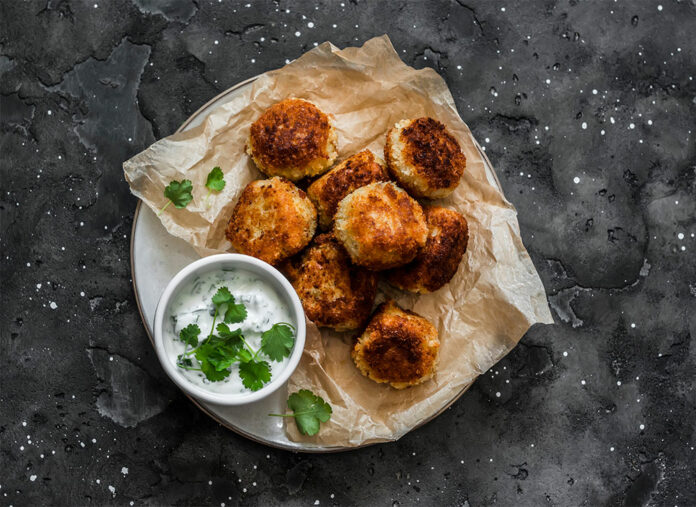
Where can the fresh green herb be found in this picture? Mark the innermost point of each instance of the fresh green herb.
(218, 352)
(178, 193)
(189, 334)
(215, 181)
(254, 374)
(223, 296)
(309, 411)
(235, 312)
(277, 342)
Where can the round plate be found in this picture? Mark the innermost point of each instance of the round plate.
(156, 256)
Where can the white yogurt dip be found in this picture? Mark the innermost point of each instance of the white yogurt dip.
(193, 305)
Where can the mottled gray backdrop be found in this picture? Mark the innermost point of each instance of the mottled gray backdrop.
(586, 109)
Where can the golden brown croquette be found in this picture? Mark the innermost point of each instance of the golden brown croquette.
(380, 226)
(424, 158)
(334, 293)
(293, 139)
(272, 220)
(398, 347)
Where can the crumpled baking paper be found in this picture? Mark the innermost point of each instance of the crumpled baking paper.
(481, 314)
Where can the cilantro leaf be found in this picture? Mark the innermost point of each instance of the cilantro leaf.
(223, 296)
(309, 411)
(189, 334)
(216, 180)
(212, 373)
(277, 342)
(179, 193)
(184, 362)
(254, 374)
(235, 313)
(244, 356)
(220, 351)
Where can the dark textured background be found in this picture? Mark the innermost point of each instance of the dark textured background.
(586, 109)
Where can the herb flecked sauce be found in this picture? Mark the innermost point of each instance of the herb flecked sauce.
(193, 305)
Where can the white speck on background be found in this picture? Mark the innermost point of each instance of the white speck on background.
(565, 354)
(584, 125)
(497, 395)
(310, 25)
(594, 92)
(124, 470)
(53, 305)
(32, 478)
(659, 7)
(113, 490)
(583, 382)
(576, 180)
(633, 324)
(642, 427)
(632, 126)
(611, 449)
(298, 33)
(680, 236)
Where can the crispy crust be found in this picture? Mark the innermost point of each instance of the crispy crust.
(294, 139)
(438, 262)
(380, 226)
(357, 171)
(334, 293)
(272, 220)
(398, 347)
(424, 157)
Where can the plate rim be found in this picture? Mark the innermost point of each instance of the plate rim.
(301, 448)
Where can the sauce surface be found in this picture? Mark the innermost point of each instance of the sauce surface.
(193, 305)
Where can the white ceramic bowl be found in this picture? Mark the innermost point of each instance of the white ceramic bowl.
(215, 262)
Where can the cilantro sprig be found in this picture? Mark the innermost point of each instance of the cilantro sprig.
(178, 192)
(224, 347)
(309, 411)
(215, 181)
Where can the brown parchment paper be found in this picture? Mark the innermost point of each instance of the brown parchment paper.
(481, 314)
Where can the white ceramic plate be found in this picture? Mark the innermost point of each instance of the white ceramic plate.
(156, 256)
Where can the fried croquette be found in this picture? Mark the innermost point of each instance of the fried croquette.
(380, 226)
(333, 292)
(293, 139)
(357, 171)
(398, 347)
(424, 158)
(272, 220)
(448, 235)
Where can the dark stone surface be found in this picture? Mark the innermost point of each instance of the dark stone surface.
(598, 409)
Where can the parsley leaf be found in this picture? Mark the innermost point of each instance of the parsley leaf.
(254, 374)
(277, 342)
(309, 411)
(179, 193)
(223, 296)
(216, 180)
(189, 334)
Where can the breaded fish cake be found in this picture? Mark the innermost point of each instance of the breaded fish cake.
(334, 293)
(272, 220)
(448, 235)
(357, 171)
(380, 226)
(424, 158)
(293, 139)
(398, 347)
